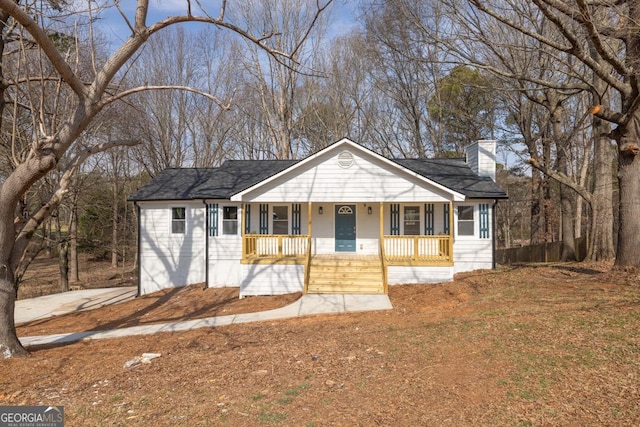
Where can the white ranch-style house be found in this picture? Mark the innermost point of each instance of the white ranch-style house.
(343, 220)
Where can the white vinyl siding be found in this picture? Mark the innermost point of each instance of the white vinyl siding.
(471, 252)
(368, 180)
(271, 279)
(399, 275)
(170, 259)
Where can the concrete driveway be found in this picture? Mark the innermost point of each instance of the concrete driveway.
(28, 310)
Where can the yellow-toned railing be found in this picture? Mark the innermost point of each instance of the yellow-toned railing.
(424, 250)
(275, 246)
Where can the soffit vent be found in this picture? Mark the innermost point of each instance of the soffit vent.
(345, 159)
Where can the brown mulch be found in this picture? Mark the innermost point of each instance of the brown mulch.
(532, 345)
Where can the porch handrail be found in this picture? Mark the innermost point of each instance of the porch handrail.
(275, 245)
(384, 266)
(418, 249)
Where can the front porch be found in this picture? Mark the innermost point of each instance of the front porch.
(395, 250)
(346, 272)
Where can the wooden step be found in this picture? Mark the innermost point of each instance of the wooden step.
(346, 289)
(357, 275)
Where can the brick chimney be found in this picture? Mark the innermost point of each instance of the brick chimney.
(481, 157)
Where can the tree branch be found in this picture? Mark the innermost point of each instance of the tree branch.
(139, 89)
(563, 179)
(28, 227)
(45, 43)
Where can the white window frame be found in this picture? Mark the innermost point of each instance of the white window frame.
(273, 221)
(222, 220)
(402, 226)
(474, 210)
(173, 220)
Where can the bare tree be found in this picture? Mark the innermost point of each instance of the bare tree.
(610, 29)
(275, 81)
(51, 140)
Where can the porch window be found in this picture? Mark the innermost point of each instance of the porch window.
(280, 220)
(465, 220)
(411, 220)
(178, 220)
(230, 220)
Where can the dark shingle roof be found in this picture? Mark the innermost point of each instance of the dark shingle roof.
(209, 183)
(456, 175)
(238, 175)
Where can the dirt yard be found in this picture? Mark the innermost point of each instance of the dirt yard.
(526, 346)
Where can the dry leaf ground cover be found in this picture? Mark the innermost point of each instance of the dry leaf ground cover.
(537, 345)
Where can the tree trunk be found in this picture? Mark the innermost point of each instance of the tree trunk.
(567, 219)
(601, 246)
(629, 184)
(63, 255)
(629, 227)
(73, 242)
(64, 266)
(114, 220)
(9, 344)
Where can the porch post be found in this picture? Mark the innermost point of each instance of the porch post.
(307, 269)
(381, 226)
(242, 229)
(451, 231)
(385, 281)
(310, 225)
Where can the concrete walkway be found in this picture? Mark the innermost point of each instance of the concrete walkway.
(307, 305)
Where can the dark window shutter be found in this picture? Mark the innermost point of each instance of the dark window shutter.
(264, 218)
(446, 219)
(296, 218)
(484, 221)
(213, 219)
(429, 210)
(395, 219)
(247, 219)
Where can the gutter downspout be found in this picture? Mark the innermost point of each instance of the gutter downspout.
(206, 243)
(493, 228)
(138, 249)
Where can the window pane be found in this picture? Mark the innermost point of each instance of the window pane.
(465, 213)
(230, 227)
(281, 213)
(280, 220)
(411, 220)
(465, 228)
(178, 213)
(178, 222)
(465, 221)
(177, 227)
(229, 220)
(230, 212)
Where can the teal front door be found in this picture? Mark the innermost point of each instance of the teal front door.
(345, 228)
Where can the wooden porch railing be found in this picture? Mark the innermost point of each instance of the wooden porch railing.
(275, 246)
(425, 250)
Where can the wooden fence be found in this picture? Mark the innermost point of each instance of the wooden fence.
(542, 252)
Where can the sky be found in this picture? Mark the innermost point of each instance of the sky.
(114, 27)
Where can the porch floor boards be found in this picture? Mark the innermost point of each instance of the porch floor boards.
(345, 274)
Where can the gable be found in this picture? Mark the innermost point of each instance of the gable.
(346, 172)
